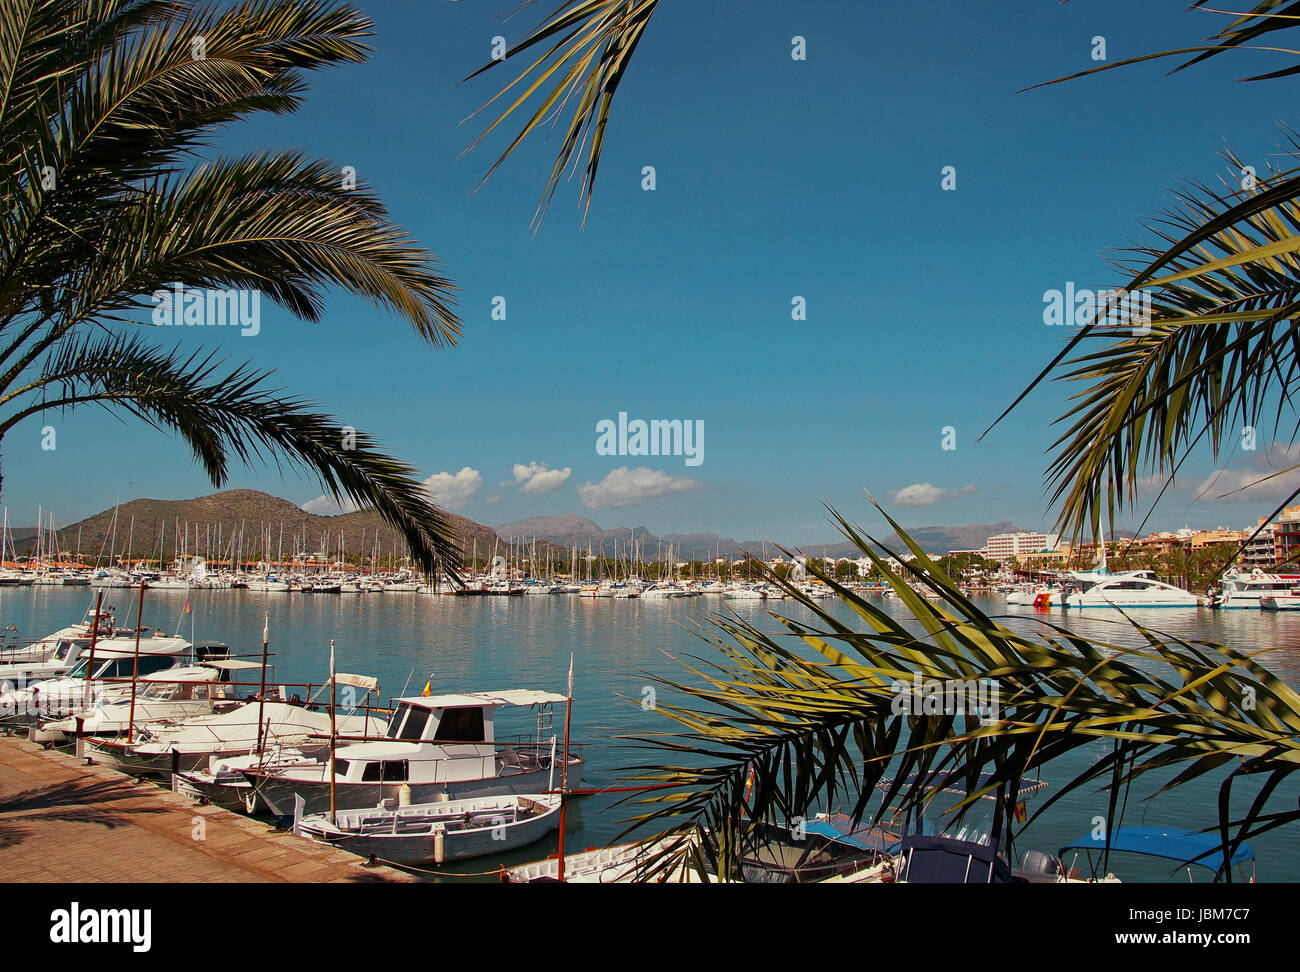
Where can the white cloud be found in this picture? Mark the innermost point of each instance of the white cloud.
(537, 478)
(926, 494)
(627, 487)
(326, 505)
(452, 491)
(1255, 482)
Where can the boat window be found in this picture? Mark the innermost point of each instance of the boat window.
(461, 725)
(389, 771)
(340, 768)
(79, 670)
(415, 723)
(395, 723)
(61, 652)
(150, 665)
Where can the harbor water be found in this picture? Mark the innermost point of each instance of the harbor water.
(484, 643)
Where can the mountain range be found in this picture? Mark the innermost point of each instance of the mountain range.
(270, 523)
(570, 530)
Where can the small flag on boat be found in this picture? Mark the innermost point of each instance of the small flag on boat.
(186, 609)
(428, 689)
(1022, 811)
(749, 784)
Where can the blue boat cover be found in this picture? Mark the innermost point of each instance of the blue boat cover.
(1185, 846)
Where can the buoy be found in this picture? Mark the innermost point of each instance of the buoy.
(404, 795)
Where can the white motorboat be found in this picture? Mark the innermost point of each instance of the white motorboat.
(222, 783)
(658, 591)
(16, 653)
(441, 746)
(72, 654)
(160, 749)
(433, 833)
(116, 667)
(1281, 600)
(170, 695)
(1126, 589)
(1248, 590)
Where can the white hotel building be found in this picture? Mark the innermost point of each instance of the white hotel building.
(1005, 547)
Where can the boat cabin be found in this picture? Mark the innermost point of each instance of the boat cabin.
(442, 738)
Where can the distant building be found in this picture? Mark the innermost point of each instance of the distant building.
(1210, 538)
(1286, 535)
(1259, 551)
(1006, 547)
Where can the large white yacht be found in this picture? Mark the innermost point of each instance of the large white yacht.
(1246, 590)
(1125, 589)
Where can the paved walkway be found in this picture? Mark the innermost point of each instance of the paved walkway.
(63, 821)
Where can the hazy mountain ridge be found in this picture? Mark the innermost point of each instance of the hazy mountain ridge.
(570, 530)
(261, 513)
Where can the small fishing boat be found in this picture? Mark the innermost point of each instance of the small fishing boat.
(435, 745)
(433, 833)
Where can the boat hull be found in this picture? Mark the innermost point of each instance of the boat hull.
(277, 793)
(495, 834)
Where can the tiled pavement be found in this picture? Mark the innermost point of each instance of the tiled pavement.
(63, 821)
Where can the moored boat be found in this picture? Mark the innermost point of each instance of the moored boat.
(433, 833)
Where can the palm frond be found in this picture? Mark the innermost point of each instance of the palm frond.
(588, 46)
(233, 414)
(812, 715)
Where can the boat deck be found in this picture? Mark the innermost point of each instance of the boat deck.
(63, 821)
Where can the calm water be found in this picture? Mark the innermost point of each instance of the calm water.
(467, 644)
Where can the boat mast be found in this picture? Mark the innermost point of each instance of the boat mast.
(333, 741)
(564, 772)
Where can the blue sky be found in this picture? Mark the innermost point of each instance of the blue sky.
(775, 179)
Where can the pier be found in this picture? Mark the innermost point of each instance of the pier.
(64, 821)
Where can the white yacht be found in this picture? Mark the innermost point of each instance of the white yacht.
(1125, 589)
(1248, 590)
(170, 695)
(69, 690)
(160, 749)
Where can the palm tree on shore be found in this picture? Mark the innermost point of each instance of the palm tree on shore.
(105, 109)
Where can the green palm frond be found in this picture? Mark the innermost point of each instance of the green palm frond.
(1220, 355)
(1250, 31)
(811, 714)
(233, 414)
(586, 48)
(106, 110)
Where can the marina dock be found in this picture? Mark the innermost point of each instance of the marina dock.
(64, 821)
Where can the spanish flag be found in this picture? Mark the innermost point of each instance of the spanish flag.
(428, 689)
(1022, 812)
(749, 785)
(186, 609)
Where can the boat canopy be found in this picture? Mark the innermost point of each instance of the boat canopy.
(1185, 846)
(357, 681)
(505, 697)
